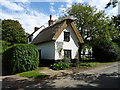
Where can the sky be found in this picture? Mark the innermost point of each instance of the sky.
(35, 13)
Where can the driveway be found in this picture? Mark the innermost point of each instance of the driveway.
(99, 77)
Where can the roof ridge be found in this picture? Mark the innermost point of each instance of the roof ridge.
(51, 25)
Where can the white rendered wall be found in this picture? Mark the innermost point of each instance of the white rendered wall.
(71, 45)
(47, 50)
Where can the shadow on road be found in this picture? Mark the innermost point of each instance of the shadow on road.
(93, 81)
(98, 81)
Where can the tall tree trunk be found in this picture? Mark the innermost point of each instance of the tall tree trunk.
(79, 55)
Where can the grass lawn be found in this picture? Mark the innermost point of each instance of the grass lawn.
(32, 74)
(89, 64)
(95, 64)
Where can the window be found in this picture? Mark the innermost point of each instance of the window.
(30, 38)
(67, 36)
(67, 54)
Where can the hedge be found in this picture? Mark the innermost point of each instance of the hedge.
(106, 51)
(20, 57)
(4, 45)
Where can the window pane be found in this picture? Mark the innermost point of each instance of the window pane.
(67, 36)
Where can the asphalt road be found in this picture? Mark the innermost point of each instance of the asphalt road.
(102, 77)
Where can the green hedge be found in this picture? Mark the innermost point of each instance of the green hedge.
(117, 49)
(4, 45)
(106, 51)
(20, 58)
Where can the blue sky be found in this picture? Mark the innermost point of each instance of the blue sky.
(34, 13)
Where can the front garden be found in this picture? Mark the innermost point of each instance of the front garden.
(23, 60)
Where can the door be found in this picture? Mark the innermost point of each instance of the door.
(67, 55)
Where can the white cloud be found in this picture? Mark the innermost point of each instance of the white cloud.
(119, 8)
(29, 18)
(69, 5)
(62, 5)
(62, 9)
(11, 5)
(23, 1)
(99, 4)
(70, 2)
(28, 21)
(52, 3)
(51, 7)
(52, 10)
(113, 11)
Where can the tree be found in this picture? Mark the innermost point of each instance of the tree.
(112, 2)
(89, 21)
(116, 32)
(94, 25)
(13, 32)
(116, 21)
(0, 29)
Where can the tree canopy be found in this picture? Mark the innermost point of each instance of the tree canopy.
(13, 32)
(112, 3)
(116, 32)
(91, 23)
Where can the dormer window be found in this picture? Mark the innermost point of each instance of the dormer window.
(30, 38)
(67, 36)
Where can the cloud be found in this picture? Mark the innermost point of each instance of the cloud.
(62, 8)
(11, 5)
(28, 18)
(100, 4)
(23, 1)
(52, 10)
(119, 8)
(52, 3)
(51, 7)
(28, 21)
(113, 11)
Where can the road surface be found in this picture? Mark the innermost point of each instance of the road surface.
(102, 77)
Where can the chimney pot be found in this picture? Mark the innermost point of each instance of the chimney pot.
(50, 17)
(50, 22)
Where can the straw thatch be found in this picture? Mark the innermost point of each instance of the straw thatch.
(52, 32)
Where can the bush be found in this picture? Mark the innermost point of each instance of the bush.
(4, 45)
(60, 66)
(117, 48)
(106, 51)
(20, 58)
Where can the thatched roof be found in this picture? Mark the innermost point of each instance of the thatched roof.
(52, 32)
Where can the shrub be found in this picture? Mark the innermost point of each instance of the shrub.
(60, 66)
(4, 45)
(21, 57)
(106, 51)
(117, 48)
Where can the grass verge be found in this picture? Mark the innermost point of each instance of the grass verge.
(88, 64)
(32, 74)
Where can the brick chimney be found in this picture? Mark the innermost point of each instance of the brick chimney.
(50, 22)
